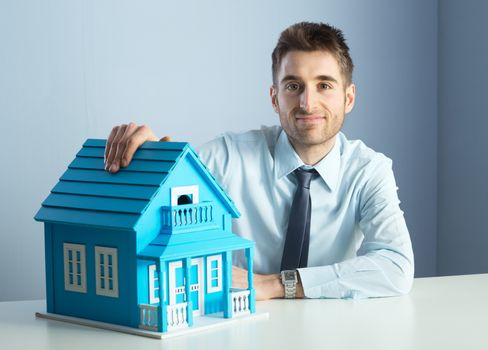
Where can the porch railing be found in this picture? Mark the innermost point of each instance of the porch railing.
(177, 317)
(188, 217)
(148, 318)
(240, 302)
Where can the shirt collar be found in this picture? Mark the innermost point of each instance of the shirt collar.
(287, 160)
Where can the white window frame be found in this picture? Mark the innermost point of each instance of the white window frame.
(153, 277)
(210, 259)
(179, 191)
(106, 291)
(74, 248)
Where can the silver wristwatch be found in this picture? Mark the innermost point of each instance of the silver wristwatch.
(289, 278)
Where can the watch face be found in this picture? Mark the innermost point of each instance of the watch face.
(289, 275)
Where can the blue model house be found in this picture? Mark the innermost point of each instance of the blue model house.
(148, 247)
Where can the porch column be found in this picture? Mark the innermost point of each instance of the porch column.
(162, 313)
(189, 306)
(250, 280)
(227, 283)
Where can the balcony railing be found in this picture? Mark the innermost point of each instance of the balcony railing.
(148, 317)
(177, 316)
(188, 217)
(240, 302)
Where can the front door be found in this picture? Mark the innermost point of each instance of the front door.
(177, 282)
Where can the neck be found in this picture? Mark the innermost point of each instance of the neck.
(311, 155)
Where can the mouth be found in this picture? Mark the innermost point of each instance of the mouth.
(309, 119)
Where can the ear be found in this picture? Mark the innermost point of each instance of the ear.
(273, 93)
(350, 98)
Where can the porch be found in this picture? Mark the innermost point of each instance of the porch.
(177, 315)
(194, 277)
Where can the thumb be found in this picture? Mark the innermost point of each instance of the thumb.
(166, 139)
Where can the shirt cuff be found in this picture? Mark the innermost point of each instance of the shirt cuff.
(316, 282)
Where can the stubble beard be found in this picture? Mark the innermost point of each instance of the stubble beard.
(306, 136)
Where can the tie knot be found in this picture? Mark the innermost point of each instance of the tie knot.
(304, 176)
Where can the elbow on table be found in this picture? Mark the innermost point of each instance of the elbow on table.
(404, 284)
(402, 281)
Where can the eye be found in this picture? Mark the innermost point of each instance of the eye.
(292, 87)
(324, 86)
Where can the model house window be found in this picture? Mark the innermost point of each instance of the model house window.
(153, 285)
(106, 266)
(214, 273)
(184, 195)
(74, 267)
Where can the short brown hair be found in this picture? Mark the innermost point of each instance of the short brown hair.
(307, 36)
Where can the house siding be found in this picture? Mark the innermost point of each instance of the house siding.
(143, 281)
(90, 305)
(49, 263)
(184, 174)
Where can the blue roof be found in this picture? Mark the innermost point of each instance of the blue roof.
(178, 246)
(87, 194)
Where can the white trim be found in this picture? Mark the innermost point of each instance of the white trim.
(148, 317)
(153, 277)
(199, 324)
(164, 287)
(240, 302)
(172, 266)
(199, 286)
(78, 267)
(106, 253)
(174, 291)
(176, 316)
(210, 287)
(182, 190)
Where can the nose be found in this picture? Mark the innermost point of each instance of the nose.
(308, 99)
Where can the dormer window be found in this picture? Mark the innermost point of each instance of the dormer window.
(184, 195)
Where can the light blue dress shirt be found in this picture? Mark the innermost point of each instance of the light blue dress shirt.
(359, 243)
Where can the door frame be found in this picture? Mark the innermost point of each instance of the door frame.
(198, 287)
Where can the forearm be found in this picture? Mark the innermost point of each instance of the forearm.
(377, 274)
(266, 286)
(381, 273)
(270, 287)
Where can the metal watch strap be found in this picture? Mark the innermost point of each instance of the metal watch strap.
(289, 284)
(290, 290)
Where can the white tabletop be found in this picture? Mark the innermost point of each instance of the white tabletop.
(439, 313)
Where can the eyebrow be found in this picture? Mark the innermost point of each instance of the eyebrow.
(318, 77)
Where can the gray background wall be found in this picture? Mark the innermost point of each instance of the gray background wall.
(193, 69)
(463, 137)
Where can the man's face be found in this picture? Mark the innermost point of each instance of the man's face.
(310, 98)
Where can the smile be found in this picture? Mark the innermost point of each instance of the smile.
(311, 119)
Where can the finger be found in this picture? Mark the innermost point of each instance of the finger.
(166, 139)
(122, 145)
(111, 161)
(142, 134)
(109, 143)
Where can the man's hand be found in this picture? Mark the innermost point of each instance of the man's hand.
(266, 286)
(123, 142)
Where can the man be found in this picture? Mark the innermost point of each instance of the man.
(323, 210)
